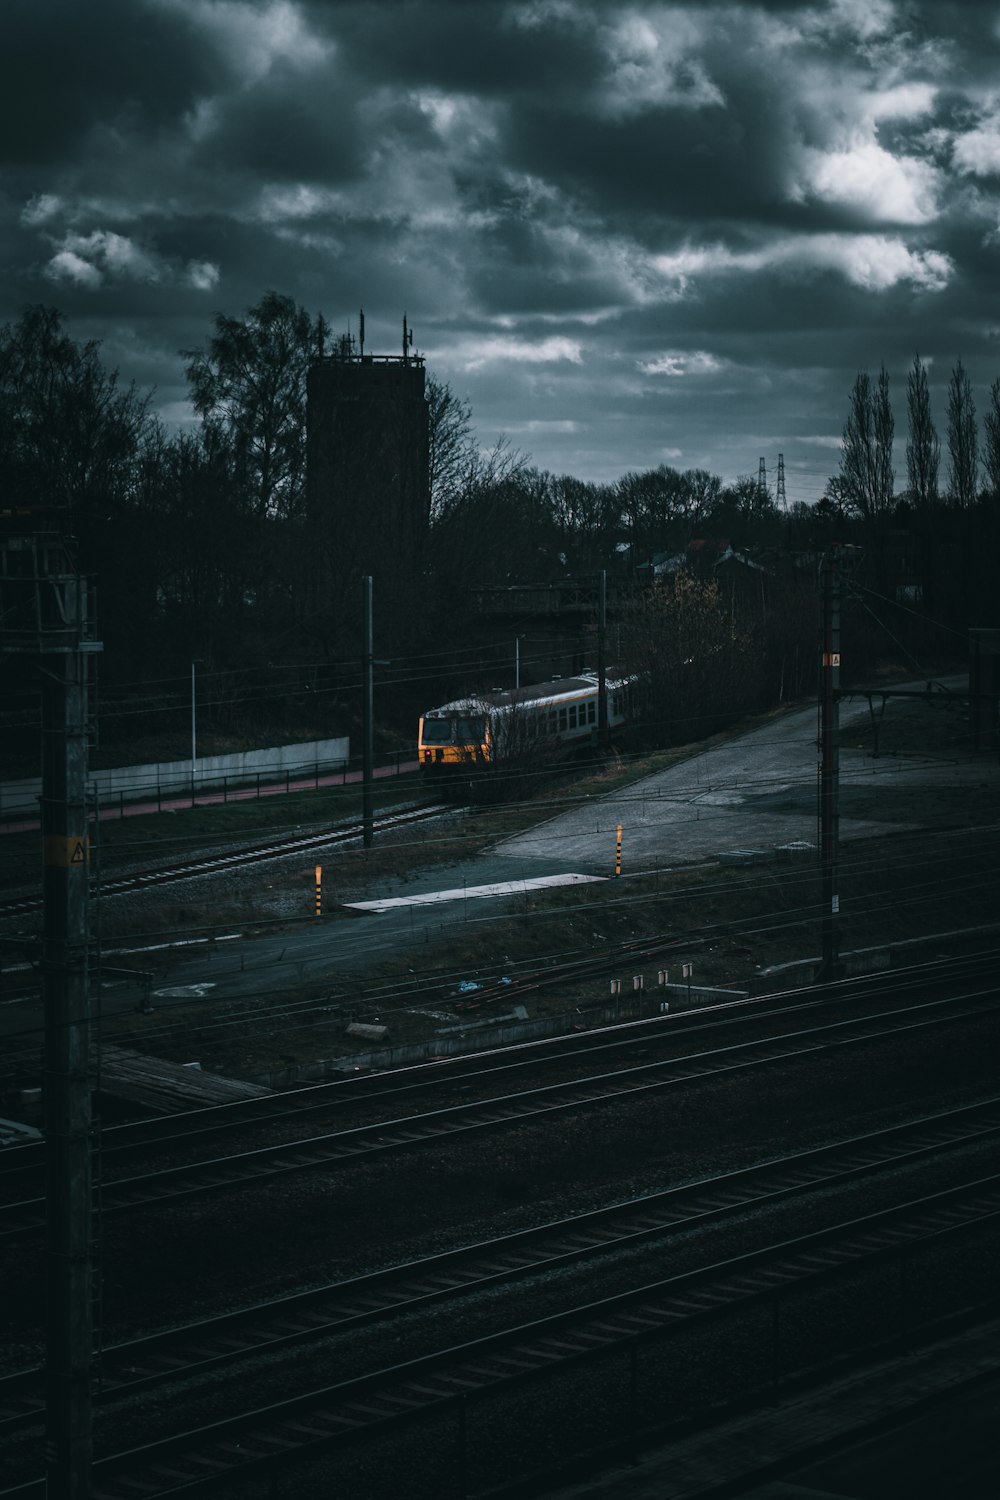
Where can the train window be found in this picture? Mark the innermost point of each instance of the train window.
(562, 718)
(591, 712)
(470, 731)
(572, 715)
(553, 721)
(437, 731)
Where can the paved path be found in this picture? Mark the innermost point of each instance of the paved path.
(758, 791)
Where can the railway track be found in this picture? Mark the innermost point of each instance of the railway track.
(211, 1344)
(157, 1188)
(246, 855)
(765, 1291)
(482, 1069)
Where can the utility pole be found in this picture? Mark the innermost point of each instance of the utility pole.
(194, 737)
(829, 688)
(44, 615)
(602, 659)
(367, 715)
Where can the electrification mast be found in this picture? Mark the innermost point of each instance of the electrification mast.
(44, 614)
(829, 692)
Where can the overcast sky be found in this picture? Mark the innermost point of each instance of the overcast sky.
(629, 234)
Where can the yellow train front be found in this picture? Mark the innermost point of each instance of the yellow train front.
(456, 735)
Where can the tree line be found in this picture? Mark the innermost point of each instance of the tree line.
(199, 543)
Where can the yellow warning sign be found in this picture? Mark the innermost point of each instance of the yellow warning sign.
(61, 852)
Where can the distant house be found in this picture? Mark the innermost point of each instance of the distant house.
(709, 559)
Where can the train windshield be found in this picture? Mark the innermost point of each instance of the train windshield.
(456, 729)
(437, 731)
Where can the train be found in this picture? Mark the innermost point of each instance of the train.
(519, 726)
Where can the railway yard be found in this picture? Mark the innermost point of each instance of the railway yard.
(498, 1272)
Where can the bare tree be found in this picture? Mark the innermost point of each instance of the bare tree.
(923, 450)
(249, 386)
(963, 441)
(991, 448)
(452, 447)
(864, 485)
(70, 436)
(865, 482)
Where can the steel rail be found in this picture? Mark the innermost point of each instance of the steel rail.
(459, 1071)
(248, 854)
(250, 1168)
(211, 1343)
(206, 1457)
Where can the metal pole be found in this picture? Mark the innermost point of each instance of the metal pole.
(517, 661)
(830, 766)
(602, 665)
(368, 748)
(194, 740)
(70, 1267)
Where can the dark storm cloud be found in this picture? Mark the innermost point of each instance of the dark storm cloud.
(69, 68)
(668, 161)
(629, 232)
(497, 50)
(288, 129)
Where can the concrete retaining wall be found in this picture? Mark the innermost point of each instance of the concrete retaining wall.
(134, 783)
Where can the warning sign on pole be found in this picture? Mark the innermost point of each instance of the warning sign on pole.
(61, 852)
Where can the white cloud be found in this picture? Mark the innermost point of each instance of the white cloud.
(41, 210)
(102, 257)
(876, 263)
(546, 428)
(977, 152)
(866, 18)
(474, 353)
(90, 259)
(677, 362)
(651, 62)
(886, 188)
(203, 275)
(277, 204)
(68, 266)
(902, 101)
(253, 36)
(870, 261)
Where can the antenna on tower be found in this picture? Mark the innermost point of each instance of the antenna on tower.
(407, 338)
(762, 478)
(361, 332)
(782, 497)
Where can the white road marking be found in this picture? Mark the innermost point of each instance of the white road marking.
(462, 893)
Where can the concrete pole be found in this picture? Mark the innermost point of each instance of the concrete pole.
(830, 767)
(368, 732)
(602, 664)
(70, 1268)
(194, 737)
